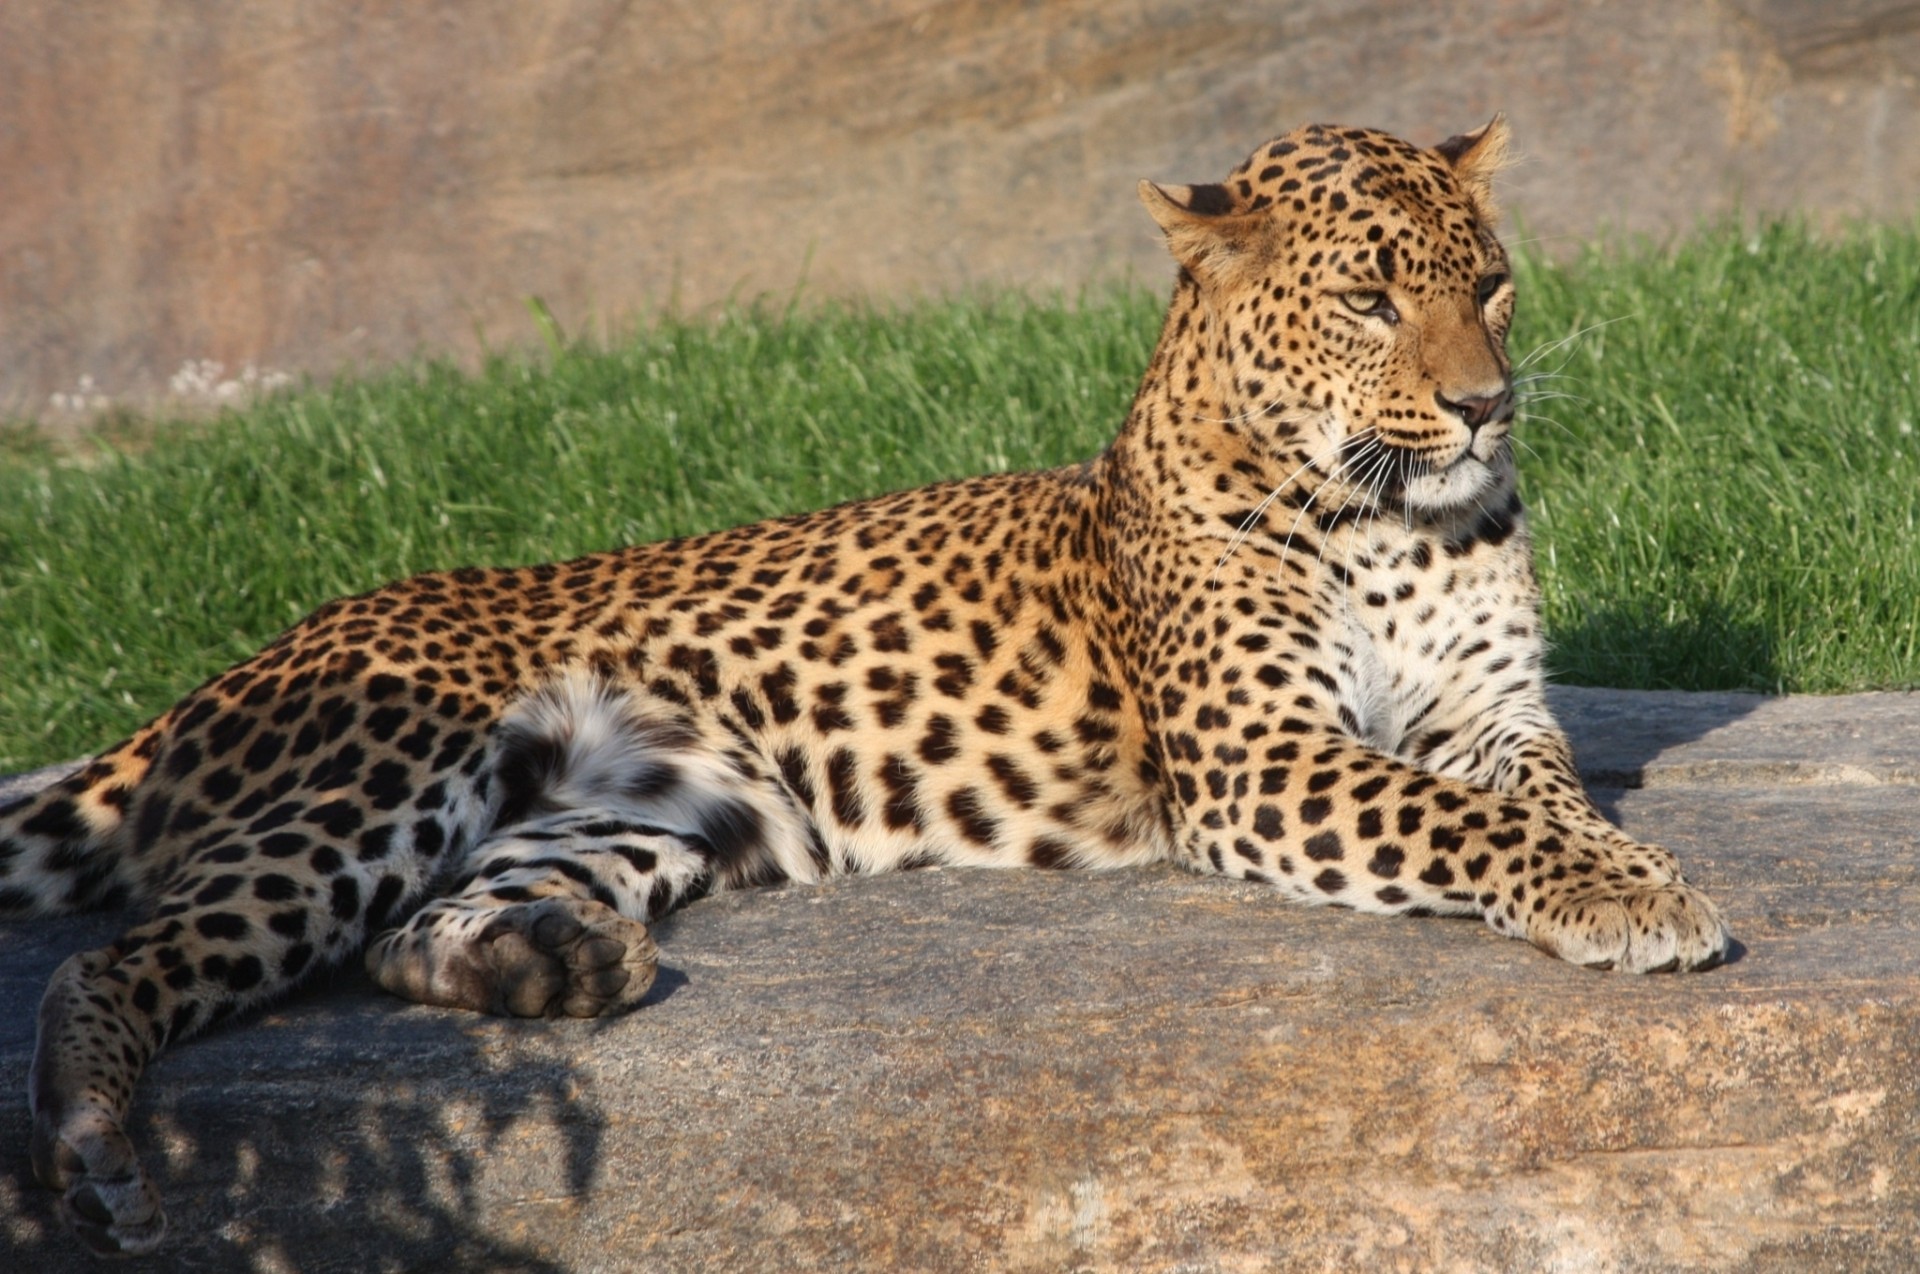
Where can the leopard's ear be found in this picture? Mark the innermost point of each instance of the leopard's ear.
(1475, 159)
(1205, 227)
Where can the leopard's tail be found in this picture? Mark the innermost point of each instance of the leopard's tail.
(65, 846)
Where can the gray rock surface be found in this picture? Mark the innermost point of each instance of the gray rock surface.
(317, 184)
(1140, 1070)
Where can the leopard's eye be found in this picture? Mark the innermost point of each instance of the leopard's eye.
(1490, 287)
(1371, 304)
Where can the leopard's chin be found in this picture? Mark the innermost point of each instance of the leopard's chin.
(1468, 482)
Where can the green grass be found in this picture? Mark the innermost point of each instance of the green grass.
(1731, 497)
(1729, 500)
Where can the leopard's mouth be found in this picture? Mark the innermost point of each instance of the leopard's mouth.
(1383, 476)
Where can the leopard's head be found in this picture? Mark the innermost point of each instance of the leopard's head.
(1350, 303)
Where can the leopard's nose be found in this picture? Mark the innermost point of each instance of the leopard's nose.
(1478, 411)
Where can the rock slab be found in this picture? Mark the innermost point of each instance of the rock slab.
(1138, 1070)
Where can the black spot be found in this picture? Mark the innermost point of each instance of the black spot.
(295, 961)
(964, 805)
(383, 686)
(1323, 846)
(274, 887)
(1268, 823)
(188, 817)
(902, 806)
(383, 723)
(1272, 675)
(385, 897)
(305, 742)
(183, 758)
(1014, 781)
(221, 786)
(644, 861)
(225, 925)
(831, 717)
(219, 889)
(386, 785)
(60, 820)
(341, 818)
(337, 770)
(264, 752)
(434, 796)
(226, 733)
(748, 710)
(245, 973)
(1330, 881)
(346, 898)
(956, 675)
(732, 828)
(777, 686)
(1051, 852)
(1386, 861)
(842, 787)
(1315, 809)
(939, 747)
(284, 844)
(798, 776)
(528, 766)
(1371, 788)
(275, 818)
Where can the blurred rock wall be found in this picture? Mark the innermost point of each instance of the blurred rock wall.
(313, 184)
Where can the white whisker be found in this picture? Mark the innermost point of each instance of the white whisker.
(1540, 351)
(1253, 518)
(1369, 438)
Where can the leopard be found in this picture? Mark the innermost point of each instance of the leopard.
(1285, 627)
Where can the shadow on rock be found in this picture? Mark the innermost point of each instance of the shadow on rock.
(1724, 664)
(344, 1131)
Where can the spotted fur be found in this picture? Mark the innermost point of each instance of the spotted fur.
(1284, 628)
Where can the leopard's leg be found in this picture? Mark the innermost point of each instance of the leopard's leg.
(1331, 820)
(1606, 900)
(239, 921)
(551, 923)
(256, 890)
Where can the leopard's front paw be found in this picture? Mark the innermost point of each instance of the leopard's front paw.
(1654, 928)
